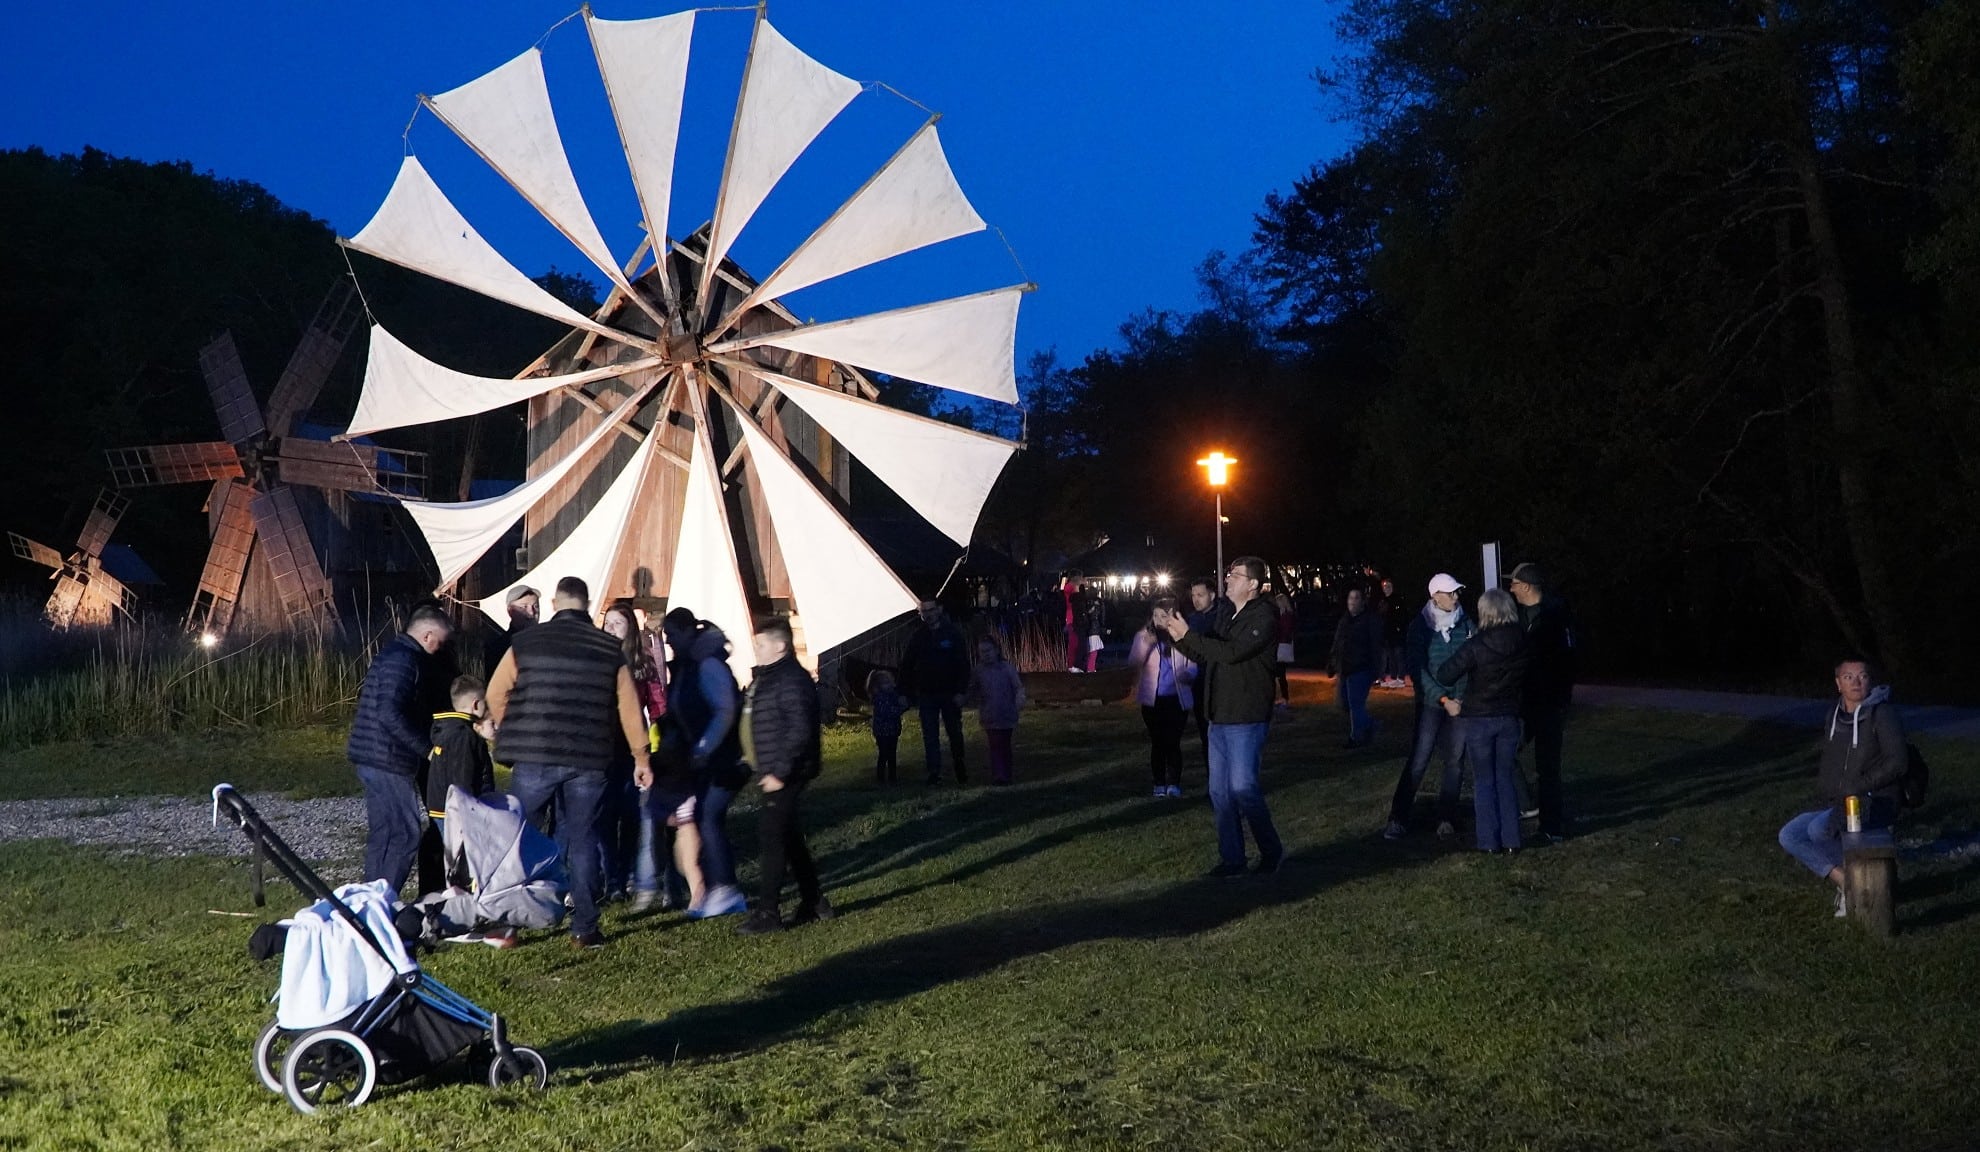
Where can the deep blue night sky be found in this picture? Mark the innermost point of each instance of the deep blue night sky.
(1115, 145)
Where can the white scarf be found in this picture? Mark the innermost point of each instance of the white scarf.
(1443, 621)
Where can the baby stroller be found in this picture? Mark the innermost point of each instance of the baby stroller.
(355, 1010)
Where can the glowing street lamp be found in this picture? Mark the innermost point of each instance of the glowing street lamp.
(1218, 466)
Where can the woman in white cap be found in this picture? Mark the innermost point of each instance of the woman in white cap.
(1435, 635)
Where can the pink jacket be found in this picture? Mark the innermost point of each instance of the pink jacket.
(1145, 656)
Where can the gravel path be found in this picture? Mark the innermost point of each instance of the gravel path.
(328, 830)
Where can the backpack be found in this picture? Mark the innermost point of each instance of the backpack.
(1917, 778)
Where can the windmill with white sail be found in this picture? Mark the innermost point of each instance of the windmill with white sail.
(689, 438)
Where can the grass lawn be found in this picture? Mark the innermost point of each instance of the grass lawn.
(1044, 966)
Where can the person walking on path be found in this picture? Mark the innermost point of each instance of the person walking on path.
(1434, 636)
(1163, 676)
(1236, 658)
(388, 743)
(1396, 623)
(1357, 648)
(1282, 651)
(781, 743)
(935, 669)
(999, 695)
(522, 602)
(1491, 667)
(703, 697)
(563, 701)
(1549, 689)
(1863, 759)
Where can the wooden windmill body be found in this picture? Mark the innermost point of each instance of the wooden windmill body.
(84, 596)
(264, 564)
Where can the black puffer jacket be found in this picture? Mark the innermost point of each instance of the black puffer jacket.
(388, 733)
(564, 709)
(1495, 659)
(780, 716)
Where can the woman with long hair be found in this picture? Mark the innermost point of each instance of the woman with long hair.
(1163, 686)
(1491, 666)
(1282, 654)
(618, 815)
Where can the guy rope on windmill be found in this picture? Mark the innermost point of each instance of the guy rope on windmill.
(687, 437)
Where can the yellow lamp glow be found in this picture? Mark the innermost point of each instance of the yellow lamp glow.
(1219, 466)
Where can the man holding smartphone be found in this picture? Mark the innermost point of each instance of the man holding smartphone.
(1236, 655)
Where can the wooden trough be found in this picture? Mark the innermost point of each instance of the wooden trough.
(1107, 686)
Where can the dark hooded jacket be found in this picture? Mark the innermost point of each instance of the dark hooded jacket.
(1495, 660)
(459, 759)
(705, 704)
(1236, 658)
(1863, 754)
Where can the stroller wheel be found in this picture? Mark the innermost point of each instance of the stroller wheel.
(521, 1065)
(329, 1068)
(269, 1048)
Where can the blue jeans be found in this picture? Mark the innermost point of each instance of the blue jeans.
(1352, 689)
(392, 808)
(1817, 839)
(948, 713)
(718, 858)
(1492, 743)
(1235, 797)
(1436, 735)
(577, 793)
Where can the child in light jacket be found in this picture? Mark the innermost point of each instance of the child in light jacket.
(998, 692)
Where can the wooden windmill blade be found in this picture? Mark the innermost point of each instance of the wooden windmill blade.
(286, 546)
(64, 601)
(35, 551)
(227, 384)
(103, 596)
(226, 562)
(173, 464)
(314, 358)
(103, 518)
(348, 466)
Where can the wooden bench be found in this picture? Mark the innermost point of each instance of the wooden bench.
(1870, 881)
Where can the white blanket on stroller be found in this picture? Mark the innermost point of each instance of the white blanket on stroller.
(328, 971)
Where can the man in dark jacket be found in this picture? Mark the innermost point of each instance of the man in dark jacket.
(1549, 688)
(388, 744)
(1357, 651)
(780, 741)
(1864, 757)
(522, 603)
(935, 669)
(561, 699)
(1203, 605)
(1238, 676)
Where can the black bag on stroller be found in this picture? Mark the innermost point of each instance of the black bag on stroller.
(355, 1009)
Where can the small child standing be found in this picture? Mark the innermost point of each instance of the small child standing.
(459, 759)
(888, 708)
(998, 693)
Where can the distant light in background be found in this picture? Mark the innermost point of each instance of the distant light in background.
(208, 640)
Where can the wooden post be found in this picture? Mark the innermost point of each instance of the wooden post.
(1870, 887)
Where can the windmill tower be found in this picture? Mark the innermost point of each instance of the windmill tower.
(85, 595)
(688, 440)
(252, 511)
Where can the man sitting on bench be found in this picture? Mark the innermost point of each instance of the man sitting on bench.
(1863, 763)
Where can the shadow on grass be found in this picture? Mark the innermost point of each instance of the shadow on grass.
(1760, 756)
(1938, 886)
(900, 967)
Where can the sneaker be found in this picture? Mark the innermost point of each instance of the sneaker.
(641, 901)
(1842, 904)
(1529, 813)
(761, 922)
(465, 938)
(503, 938)
(1446, 830)
(1175, 791)
(1268, 865)
(1395, 831)
(1160, 792)
(819, 911)
(1226, 871)
(588, 941)
(722, 900)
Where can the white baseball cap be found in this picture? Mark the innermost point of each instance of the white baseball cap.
(1444, 582)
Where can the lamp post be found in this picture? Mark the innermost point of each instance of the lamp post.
(1218, 466)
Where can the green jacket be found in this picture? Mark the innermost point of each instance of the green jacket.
(1237, 661)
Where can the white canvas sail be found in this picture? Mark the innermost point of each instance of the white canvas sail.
(840, 587)
(644, 65)
(589, 550)
(966, 344)
(459, 534)
(944, 472)
(705, 579)
(419, 228)
(403, 388)
(505, 117)
(912, 202)
(787, 100)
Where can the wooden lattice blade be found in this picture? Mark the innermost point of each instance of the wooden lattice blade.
(226, 562)
(350, 467)
(314, 358)
(104, 596)
(227, 384)
(173, 464)
(102, 521)
(64, 601)
(291, 557)
(35, 551)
